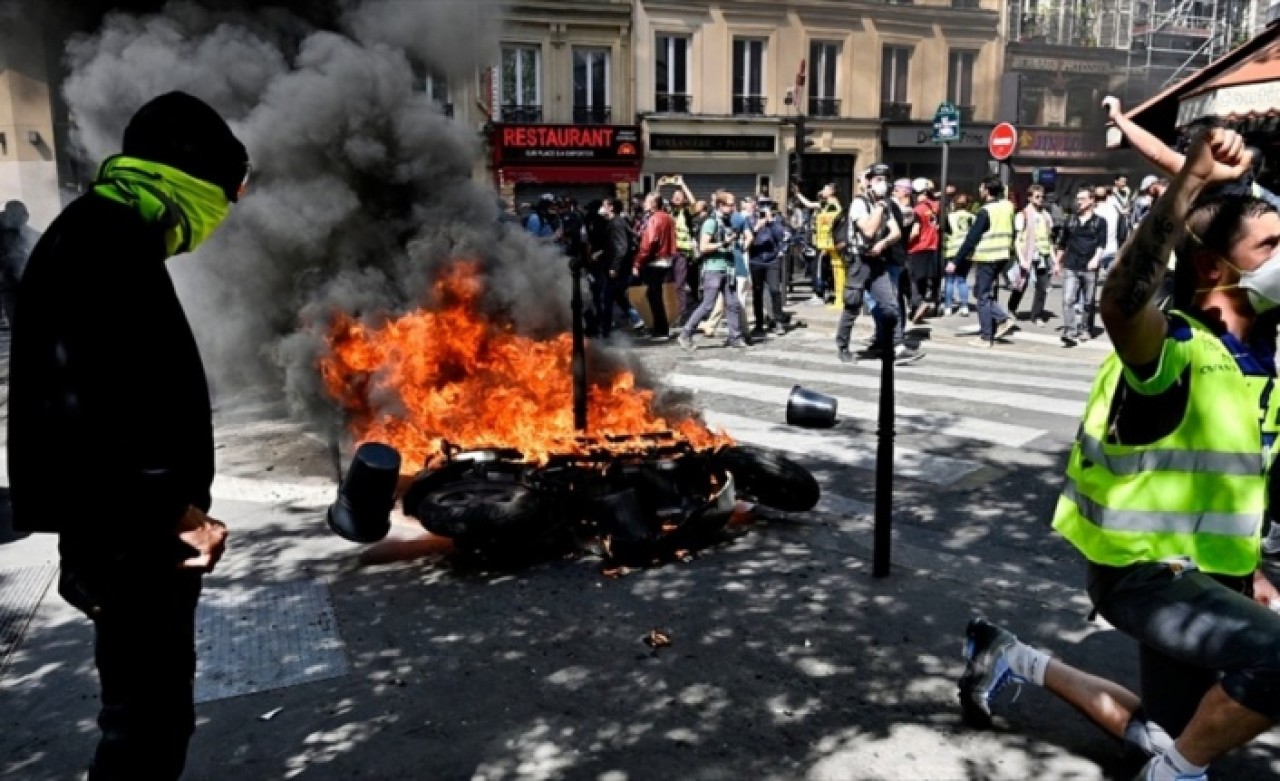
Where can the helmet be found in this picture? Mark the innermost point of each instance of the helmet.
(922, 185)
(879, 169)
(546, 199)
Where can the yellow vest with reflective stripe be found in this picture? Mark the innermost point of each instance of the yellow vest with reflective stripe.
(823, 224)
(997, 243)
(684, 237)
(1199, 493)
(960, 222)
(1043, 237)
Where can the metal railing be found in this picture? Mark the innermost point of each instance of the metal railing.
(748, 105)
(824, 107)
(897, 112)
(592, 115)
(521, 113)
(673, 103)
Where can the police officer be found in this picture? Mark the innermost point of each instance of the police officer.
(103, 358)
(1167, 485)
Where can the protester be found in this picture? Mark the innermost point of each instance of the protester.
(102, 353)
(653, 261)
(768, 239)
(716, 241)
(955, 280)
(16, 241)
(922, 250)
(682, 211)
(742, 225)
(1117, 226)
(990, 245)
(1080, 250)
(1166, 498)
(1034, 247)
(827, 212)
(544, 222)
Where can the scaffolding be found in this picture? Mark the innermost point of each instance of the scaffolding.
(1163, 40)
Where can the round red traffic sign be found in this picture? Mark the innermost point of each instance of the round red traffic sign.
(1003, 140)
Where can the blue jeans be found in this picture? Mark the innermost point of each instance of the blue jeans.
(955, 289)
(878, 308)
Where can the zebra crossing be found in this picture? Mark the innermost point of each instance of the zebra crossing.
(963, 415)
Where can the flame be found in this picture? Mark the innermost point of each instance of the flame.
(453, 375)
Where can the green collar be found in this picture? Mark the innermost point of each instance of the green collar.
(187, 208)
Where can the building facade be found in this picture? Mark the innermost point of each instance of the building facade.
(28, 148)
(718, 87)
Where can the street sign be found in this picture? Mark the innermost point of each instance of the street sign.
(946, 124)
(1003, 140)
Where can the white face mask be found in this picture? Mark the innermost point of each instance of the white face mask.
(879, 189)
(1262, 284)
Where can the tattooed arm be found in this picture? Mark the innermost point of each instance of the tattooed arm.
(1136, 327)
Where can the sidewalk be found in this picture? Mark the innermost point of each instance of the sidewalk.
(788, 661)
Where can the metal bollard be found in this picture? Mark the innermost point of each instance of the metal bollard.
(884, 457)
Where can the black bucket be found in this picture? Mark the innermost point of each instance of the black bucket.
(810, 409)
(363, 510)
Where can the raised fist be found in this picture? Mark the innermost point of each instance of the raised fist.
(1218, 156)
(1112, 104)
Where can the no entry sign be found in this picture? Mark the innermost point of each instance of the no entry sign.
(1003, 140)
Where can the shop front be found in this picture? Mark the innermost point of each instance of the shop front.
(582, 161)
(1061, 161)
(911, 153)
(712, 155)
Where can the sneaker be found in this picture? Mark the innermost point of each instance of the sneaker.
(759, 331)
(1005, 328)
(779, 330)
(1148, 772)
(686, 341)
(980, 342)
(845, 355)
(903, 355)
(815, 301)
(737, 344)
(950, 311)
(964, 311)
(660, 337)
(1068, 340)
(638, 327)
(987, 671)
(869, 354)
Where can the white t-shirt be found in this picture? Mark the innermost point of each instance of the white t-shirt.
(1108, 212)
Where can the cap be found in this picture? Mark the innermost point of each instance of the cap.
(879, 169)
(182, 131)
(1147, 182)
(922, 185)
(903, 184)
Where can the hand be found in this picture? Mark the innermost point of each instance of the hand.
(876, 249)
(1093, 265)
(951, 268)
(635, 271)
(1057, 269)
(1264, 593)
(1112, 104)
(1216, 157)
(613, 275)
(677, 180)
(206, 535)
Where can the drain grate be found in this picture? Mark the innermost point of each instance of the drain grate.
(21, 590)
(256, 638)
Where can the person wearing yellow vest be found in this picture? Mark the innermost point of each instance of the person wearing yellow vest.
(1167, 486)
(682, 212)
(955, 278)
(827, 212)
(990, 246)
(1034, 247)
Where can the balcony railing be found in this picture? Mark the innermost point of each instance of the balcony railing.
(824, 107)
(895, 112)
(521, 113)
(592, 115)
(673, 103)
(748, 105)
(967, 4)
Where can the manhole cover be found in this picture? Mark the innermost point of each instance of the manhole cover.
(255, 638)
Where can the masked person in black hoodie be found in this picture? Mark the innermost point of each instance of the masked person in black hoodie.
(104, 360)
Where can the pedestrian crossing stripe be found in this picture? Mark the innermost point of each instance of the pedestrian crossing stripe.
(1002, 353)
(909, 418)
(842, 449)
(996, 374)
(1047, 405)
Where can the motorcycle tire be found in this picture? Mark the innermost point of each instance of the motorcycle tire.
(483, 509)
(770, 479)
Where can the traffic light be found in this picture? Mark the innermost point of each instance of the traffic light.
(803, 136)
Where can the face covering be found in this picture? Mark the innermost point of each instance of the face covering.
(879, 188)
(190, 209)
(1262, 284)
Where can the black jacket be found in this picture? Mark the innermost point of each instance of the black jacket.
(618, 252)
(110, 426)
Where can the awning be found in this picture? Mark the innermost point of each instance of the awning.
(568, 174)
(1161, 115)
(1063, 170)
(1250, 89)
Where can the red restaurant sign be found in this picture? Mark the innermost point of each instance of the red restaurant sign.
(566, 144)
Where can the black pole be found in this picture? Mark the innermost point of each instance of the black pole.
(579, 350)
(884, 456)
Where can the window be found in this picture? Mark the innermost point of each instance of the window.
(591, 86)
(824, 60)
(435, 87)
(671, 58)
(748, 76)
(521, 79)
(893, 74)
(960, 77)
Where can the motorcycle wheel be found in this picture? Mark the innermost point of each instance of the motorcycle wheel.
(772, 480)
(483, 509)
